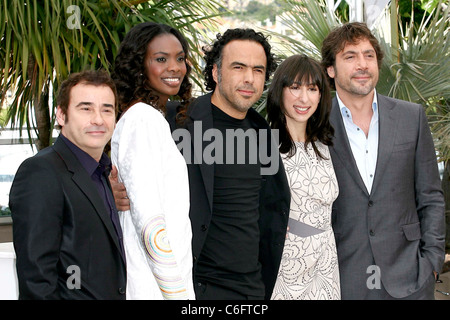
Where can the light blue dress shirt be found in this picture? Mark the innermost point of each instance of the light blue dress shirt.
(364, 149)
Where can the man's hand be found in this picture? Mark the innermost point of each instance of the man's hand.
(119, 191)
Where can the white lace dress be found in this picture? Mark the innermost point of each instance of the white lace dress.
(157, 231)
(309, 265)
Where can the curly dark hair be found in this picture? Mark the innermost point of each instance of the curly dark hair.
(300, 69)
(338, 38)
(129, 68)
(213, 53)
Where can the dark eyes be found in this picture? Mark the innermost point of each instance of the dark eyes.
(164, 59)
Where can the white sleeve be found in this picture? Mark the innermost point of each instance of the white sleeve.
(155, 176)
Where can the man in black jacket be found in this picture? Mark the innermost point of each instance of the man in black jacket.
(66, 232)
(238, 212)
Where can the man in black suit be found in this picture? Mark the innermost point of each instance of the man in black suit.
(239, 194)
(66, 232)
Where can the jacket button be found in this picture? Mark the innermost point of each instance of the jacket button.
(204, 227)
(370, 203)
(371, 232)
(121, 290)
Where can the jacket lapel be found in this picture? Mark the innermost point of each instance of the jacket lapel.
(85, 184)
(387, 132)
(202, 120)
(341, 146)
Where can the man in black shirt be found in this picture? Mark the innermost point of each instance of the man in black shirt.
(238, 213)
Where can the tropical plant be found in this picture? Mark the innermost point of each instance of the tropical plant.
(41, 42)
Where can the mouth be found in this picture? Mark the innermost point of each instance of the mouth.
(246, 92)
(362, 78)
(96, 132)
(301, 110)
(172, 81)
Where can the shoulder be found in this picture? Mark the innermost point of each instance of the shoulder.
(44, 158)
(140, 110)
(171, 109)
(257, 119)
(141, 115)
(385, 101)
(46, 165)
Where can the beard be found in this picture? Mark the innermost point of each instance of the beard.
(235, 100)
(357, 87)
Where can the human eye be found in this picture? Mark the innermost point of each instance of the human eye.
(108, 110)
(161, 59)
(294, 87)
(181, 59)
(84, 108)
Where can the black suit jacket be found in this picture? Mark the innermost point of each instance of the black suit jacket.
(274, 194)
(62, 229)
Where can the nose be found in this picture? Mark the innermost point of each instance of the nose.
(97, 118)
(303, 94)
(362, 63)
(174, 65)
(249, 76)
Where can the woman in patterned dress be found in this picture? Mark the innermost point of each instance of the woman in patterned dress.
(150, 67)
(298, 105)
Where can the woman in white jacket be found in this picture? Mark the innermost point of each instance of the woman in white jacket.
(150, 67)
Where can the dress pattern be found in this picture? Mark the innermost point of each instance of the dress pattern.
(309, 266)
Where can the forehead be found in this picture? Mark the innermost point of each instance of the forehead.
(362, 45)
(165, 42)
(91, 93)
(245, 51)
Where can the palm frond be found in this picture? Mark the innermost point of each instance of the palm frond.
(39, 47)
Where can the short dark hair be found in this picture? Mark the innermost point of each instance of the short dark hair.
(349, 33)
(129, 67)
(89, 77)
(304, 70)
(213, 53)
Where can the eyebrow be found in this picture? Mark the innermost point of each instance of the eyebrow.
(237, 63)
(84, 103)
(165, 53)
(353, 51)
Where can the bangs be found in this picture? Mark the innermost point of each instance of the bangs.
(302, 72)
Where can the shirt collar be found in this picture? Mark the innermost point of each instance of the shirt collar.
(88, 163)
(343, 108)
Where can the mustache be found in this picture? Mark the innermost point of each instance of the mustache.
(362, 73)
(247, 88)
(96, 128)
